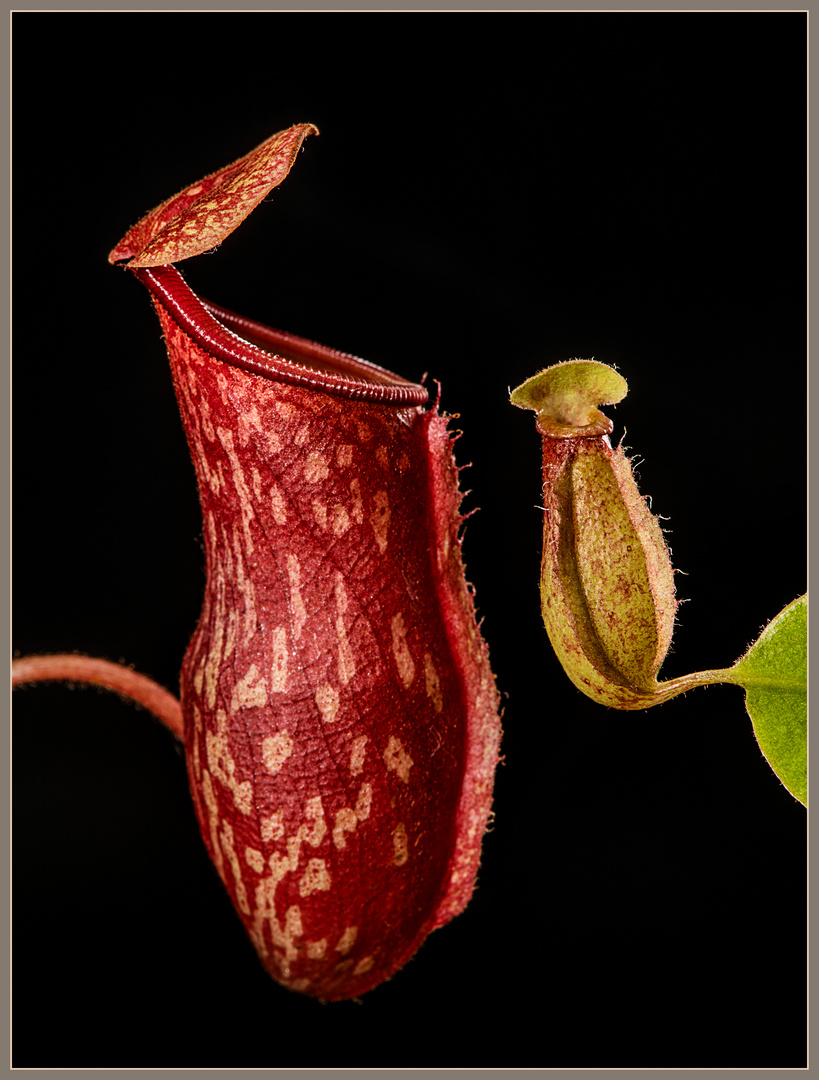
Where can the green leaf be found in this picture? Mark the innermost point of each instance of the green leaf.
(774, 673)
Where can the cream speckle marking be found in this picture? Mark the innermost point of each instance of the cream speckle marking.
(238, 476)
(364, 432)
(211, 524)
(397, 759)
(341, 520)
(315, 467)
(316, 949)
(316, 878)
(364, 801)
(399, 841)
(199, 413)
(244, 588)
(327, 701)
(296, 602)
(347, 939)
(358, 502)
(197, 764)
(232, 629)
(223, 767)
(278, 670)
(273, 827)
(214, 660)
(432, 683)
(380, 519)
(357, 753)
(274, 442)
(213, 821)
(278, 504)
(347, 819)
(276, 749)
(346, 822)
(313, 811)
(285, 409)
(204, 410)
(216, 478)
(229, 849)
(222, 383)
(344, 455)
(254, 859)
(363, 966)
(382, 457)
(400, 649)
(302, 435)
(342, 602)
(248, 422)
(346, 661)
(286, 938)
(249, 692)
(320, 513)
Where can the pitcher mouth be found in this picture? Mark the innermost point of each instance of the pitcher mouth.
(274, 354)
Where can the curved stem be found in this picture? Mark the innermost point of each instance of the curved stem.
(659, 693)
(664, 691)
(122, 680)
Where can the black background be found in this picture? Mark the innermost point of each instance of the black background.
(489, 194)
